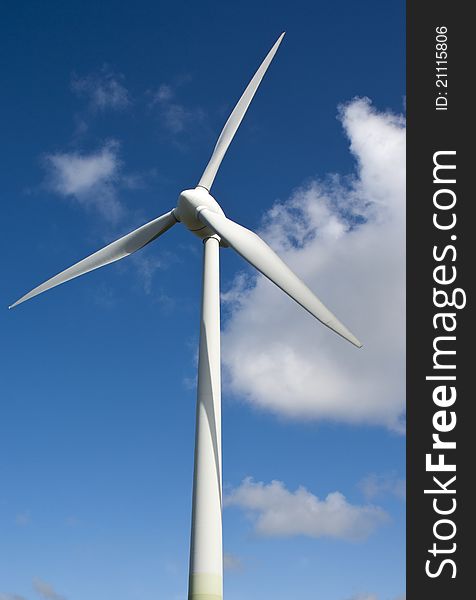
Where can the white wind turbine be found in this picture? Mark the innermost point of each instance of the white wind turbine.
(203, 216)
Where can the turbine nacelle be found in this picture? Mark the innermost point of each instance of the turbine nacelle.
(189, 206)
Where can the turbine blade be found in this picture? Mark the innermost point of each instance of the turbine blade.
(235, 119)
(253, 249)
(121, 248)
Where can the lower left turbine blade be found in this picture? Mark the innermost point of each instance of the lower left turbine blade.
(121, 248)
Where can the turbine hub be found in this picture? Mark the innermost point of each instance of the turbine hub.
(186, 212)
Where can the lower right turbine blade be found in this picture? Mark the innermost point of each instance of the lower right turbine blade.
(253, 249)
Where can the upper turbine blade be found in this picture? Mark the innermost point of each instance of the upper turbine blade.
(119, 249)
(253, 249)
(235, 119)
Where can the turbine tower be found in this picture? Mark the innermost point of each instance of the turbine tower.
(203, 216)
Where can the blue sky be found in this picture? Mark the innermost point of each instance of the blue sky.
(109, 111)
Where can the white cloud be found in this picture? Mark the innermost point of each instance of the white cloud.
(278, 512)
(232, 562)
(345, 237)
(46, 590)
(164, 93)
(11, 597)
(146, 268)
(23, 518)
(91, 179)
(104, 90)
(375, 486)
(175, 117)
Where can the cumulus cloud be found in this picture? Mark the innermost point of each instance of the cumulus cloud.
(175, 117)
(46, 590)
(278, 512)
(344, 235)
(375, 486)
(104, 90)
(89, 178)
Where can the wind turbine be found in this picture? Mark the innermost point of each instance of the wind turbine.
(203, 216)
